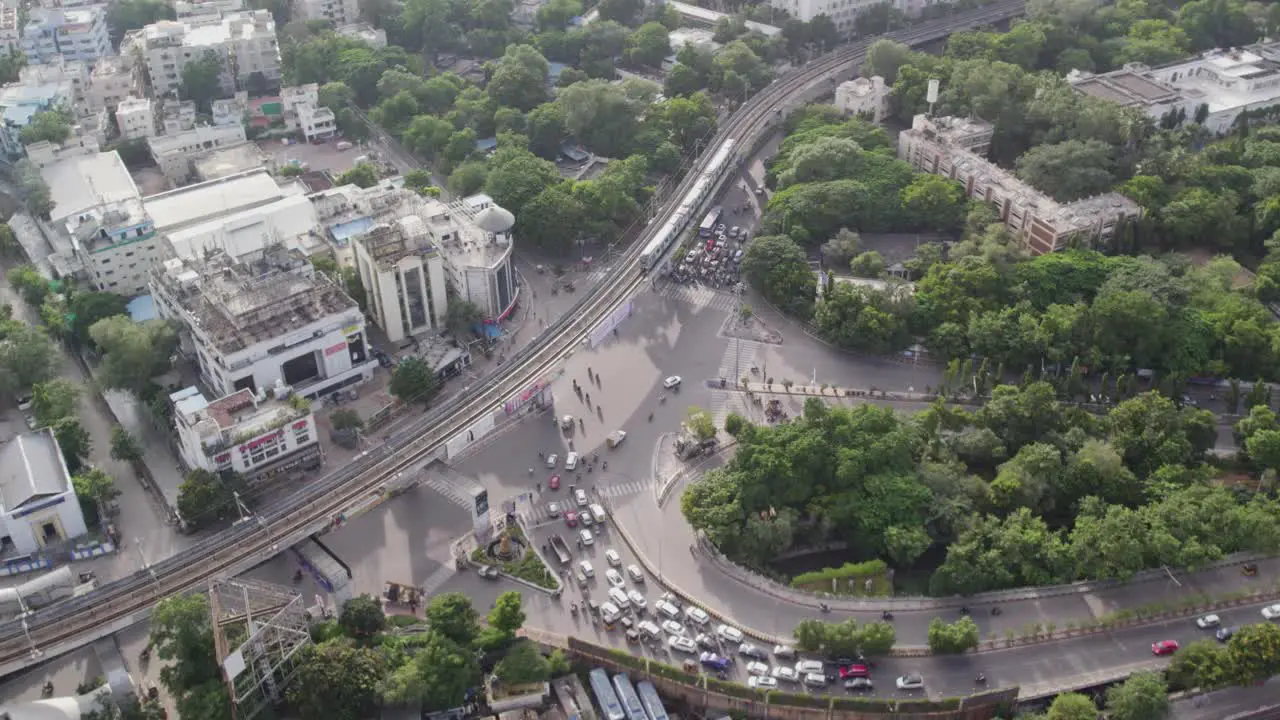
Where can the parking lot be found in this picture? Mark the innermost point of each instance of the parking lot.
(320, 157)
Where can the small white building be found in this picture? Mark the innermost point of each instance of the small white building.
(112, 80)
(177, 116)
(273, 322)
(864, 97)
(256, 435)
(403, 276)
(136, 118)
(176, 153)
(38, 505)
(317, 123)
(229, 111)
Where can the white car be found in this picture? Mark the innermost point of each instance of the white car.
(571, 461)
(784, 651)
(785, 674)
(682, 644)
(672, 382)
(614, 578)
(697, 615)
(587, 538)
(729, 634)
(672, 627)
(637, 600)
(910, 682)
(633, 571)
(553, 510)
(1271, 612)
(552, 460)
(580, 497)
(761, 683)
(1208, 621)
(611, 555)
(752, 651)
(757, 668)
(587, 570)
(667, 609)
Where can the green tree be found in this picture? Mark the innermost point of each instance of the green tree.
(27, 357)
(953, 638)
(522, 664)
(205, 498)
(29, 283)
(1144, 696)
(884, 57)
(53, 400)
(1253, 653)
(362, 617)
(346, 419)
(336, 95)
(52, 126)
(935, 203)
(1068, 170)
(74, 441)
(363, 175)
(202, 80)
(623, 12)
(133, 353)
(877, 638)
(124, 446)
(1202, 664)
(451, 615)
(35, 190)
(413, 380)
(1072, 706)
(649, 45)
(337, 681)
(507, 615)
(97, 487)
(779, 269)
(869, 264)
(462, 318)
(439, 676)
(135, 14)
(516, 177)
(700, 423)
(182, 637)
(87, 308)
(520, 81)
(810, 635)
(905, 545)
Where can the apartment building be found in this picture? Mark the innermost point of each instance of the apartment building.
(112, 80)
(243, 42)
(403, 275)
(262, 325)
(184, 9)
(955, 148)
(842, 12)
(337, 12)
(864, 97)
(19, 102)
(136, 118)
(176, 153)
(71, 34)
(10, 32)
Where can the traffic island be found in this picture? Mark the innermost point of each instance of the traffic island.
(511, 554)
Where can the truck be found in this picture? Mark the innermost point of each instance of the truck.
(615, 438)
(561, 550)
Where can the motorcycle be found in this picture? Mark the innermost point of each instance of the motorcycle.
(573, 609)
(824, 608)
(886, 615)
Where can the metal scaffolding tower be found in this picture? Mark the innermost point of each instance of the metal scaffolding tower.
(259, 629)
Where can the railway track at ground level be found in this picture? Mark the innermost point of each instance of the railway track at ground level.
(76, 622)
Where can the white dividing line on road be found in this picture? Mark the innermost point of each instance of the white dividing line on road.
(452, 484)
(626, 487)
(722, 403)
(437, 579)
(701, 296)
(737, 360)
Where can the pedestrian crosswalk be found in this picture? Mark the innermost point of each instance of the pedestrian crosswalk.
(738, 359)
(701, 296)
(437, 579)
(450, 483)
(622, 488)
(540, 514)
(724, 402)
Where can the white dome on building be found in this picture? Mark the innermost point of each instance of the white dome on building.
(495, 220)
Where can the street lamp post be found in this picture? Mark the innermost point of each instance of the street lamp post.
(26, 630)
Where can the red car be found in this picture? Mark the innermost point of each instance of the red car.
(1164, 647)
(854, 671)
(553, 482)
(571, 518)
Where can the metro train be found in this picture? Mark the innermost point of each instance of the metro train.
(687, 211)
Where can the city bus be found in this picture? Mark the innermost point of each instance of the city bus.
(708, 226)
(610, 708)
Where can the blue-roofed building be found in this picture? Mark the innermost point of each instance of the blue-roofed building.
(487, 145)
(574, 152)
(19, 102)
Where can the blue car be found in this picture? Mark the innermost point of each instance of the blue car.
(716, 662)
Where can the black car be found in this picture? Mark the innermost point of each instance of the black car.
(489, 572)
(1224, 634)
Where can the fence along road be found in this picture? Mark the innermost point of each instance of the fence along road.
(125, 602)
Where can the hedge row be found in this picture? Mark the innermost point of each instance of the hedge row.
(870, 568)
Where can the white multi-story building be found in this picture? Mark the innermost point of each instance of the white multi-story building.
(276, 322)
(317, 123)
(206, 8)
(75, 73)
(77, 34)
(1218, 86)
(337, 12)
(10, 33)
(242, 215)
(136, 118)
(865, 97)
(244, 43)
(255, 435)
(38, 504)
(403, 276)
(176, 153)
(98, 208)
(954, 148)
(177, 116)
(113, 79)
(475, 238)
(843, 12)
(229, 111)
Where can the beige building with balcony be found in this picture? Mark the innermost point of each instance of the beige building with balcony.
(403, 275)
(244, 43)
(255, 435)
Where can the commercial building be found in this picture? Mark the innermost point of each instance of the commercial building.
(954, 148)
(136, 118)
(1214, 88)
(98, 209)
(38, 505)
(337, 12)
(263, 324)
(241, 215)
(112, 81)
(243, 42)
(864, 97)
(255, 435)
(71, 34)
(403, 277)
(176, 154)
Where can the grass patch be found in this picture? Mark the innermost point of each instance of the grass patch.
(848, 579)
